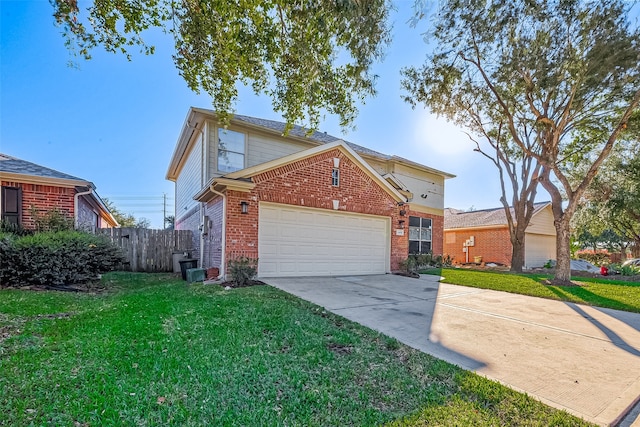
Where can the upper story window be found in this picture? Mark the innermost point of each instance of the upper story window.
(231, 150)
(419, 235)
(335, 177)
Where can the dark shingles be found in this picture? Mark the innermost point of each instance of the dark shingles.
(12, 165)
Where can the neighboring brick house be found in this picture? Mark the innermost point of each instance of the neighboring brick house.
(302, 205)
(28, 188)
(485, 234)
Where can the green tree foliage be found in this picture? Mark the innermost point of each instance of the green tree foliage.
(308, 56)
(544, 71)
(610, 210)
(124, 219)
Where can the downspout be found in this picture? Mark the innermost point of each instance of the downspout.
(223, 268)
(204, 172)
(75, 205)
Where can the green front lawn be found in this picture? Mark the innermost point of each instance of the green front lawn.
(609, 293)
(156, 351)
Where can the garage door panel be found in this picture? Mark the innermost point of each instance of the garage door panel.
(539, 248)
(306, 241)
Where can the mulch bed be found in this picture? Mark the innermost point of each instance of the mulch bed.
(235, 285)
(407, 274)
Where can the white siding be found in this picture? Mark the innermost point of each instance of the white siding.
(190, 180)
(542, 222)
(212, 141)
(260, 148)
(378, 166)
(264, 149)
(419, 183)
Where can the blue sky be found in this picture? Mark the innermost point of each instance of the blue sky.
(115, 122)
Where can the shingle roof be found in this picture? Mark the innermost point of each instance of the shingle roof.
(321, 137)
(298, 131)
(17, 166)
(454, 218)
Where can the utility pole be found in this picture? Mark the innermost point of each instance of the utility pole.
(164, 211)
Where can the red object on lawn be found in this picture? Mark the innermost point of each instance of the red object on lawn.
(604, 271)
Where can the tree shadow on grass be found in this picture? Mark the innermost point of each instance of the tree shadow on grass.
(581, 293)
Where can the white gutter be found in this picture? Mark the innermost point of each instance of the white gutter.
(223, 268)
(75, 205)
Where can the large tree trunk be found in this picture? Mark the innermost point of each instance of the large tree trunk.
(561, 219)
(517, 234)
(517, 256)
(563, 253)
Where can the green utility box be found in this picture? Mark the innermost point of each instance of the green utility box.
(196, 275)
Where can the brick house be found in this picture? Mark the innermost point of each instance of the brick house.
(485, 234)
(28, 188)
(301, 204)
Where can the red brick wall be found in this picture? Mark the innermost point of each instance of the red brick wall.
(493, 245)
(43, 198)
(308, 183)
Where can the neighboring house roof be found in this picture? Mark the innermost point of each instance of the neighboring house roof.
(494, 217)
(12, 165)
(297, 132)
(12, 168)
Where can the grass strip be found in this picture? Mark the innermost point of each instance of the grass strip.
(608, 293)
(157, 351)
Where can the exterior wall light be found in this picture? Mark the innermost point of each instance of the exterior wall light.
(244, 207)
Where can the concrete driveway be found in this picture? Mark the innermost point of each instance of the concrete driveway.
(582, 359)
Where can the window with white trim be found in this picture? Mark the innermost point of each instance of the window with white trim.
(231, 150)
(419, 235)
(335, 177)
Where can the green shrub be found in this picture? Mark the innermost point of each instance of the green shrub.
(417, 262)
(629, 270)
(9, 227)
(52, 220)
(242, 270)
(409, 265)
(55, 258)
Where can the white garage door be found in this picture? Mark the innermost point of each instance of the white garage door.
(294, 241)
(539, 248)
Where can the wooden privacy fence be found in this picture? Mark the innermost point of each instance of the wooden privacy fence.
(149, 250)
